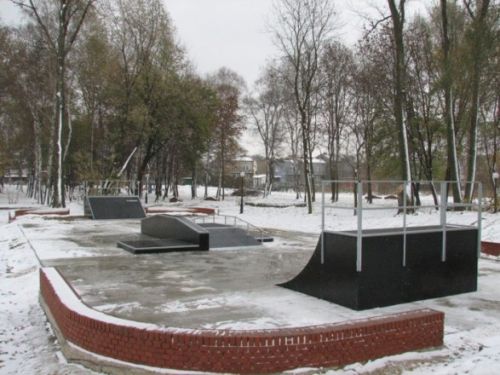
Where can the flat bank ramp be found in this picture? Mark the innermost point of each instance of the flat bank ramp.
(107, 208)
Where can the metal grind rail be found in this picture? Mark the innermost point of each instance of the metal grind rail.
(443, 206)
(231, 220)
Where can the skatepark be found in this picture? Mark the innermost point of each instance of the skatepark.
(228, 291)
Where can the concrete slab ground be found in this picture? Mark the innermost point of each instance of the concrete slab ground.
(233, 289)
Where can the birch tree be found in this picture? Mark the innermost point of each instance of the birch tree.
(60, 22)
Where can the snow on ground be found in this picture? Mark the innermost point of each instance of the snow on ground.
(27, 345)
(472, 334)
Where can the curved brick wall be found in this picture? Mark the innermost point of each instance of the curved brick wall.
(491, 248)
(257, 351)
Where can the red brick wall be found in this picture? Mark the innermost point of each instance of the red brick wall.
(490, 248)
(256, 351)
(35, 211)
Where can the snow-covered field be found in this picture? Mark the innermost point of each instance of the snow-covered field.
(472, 334)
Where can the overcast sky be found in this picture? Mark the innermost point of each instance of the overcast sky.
(234, 33)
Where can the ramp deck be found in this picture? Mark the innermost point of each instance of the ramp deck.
(147, 245)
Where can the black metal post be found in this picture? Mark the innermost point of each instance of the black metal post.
(242, 192)
(495, 194)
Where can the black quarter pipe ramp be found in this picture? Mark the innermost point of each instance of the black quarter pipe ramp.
(384, 280)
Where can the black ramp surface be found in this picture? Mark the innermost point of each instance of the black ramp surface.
(383, 280)
(175, 227)
(103, 208)
(223, 236)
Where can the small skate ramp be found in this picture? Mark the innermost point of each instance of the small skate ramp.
(163, 233)
(104, 208)
(147, 245)
(224, 236)
(384, 281)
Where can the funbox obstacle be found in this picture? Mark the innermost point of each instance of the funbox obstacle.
(367, 268)
(164, 233)
(113, 207)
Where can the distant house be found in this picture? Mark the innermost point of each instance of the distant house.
(259, 181)
(243, 164)
(286, 171)
(15, 176)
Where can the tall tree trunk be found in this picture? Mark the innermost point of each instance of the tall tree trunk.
(478, 46)
(193, 182)
(453, 167)
(398, 19)
(307, 176)
(369, 196)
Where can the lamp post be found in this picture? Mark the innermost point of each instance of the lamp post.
(147, 188)
(242, 192)
(495, 175)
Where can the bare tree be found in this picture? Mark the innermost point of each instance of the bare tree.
(425, 131)
(301, 29)
(337, 66)
(291, 120)
(266, 111)
(228, 86)
(60, 22)
(367, 108)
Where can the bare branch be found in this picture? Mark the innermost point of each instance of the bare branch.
(467, 4)
(374, 25)
(32, 8)
(79, 23)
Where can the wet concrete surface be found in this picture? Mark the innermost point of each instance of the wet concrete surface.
(233, 288)
(188, 289)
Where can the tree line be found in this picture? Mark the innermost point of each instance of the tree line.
(100, 90)
(415, 99)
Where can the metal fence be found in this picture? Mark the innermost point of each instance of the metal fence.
(442, 204)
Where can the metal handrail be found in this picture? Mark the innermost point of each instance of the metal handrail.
(235, 220)
(443, 207)
(450, 205)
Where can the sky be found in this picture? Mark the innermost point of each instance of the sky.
(235, 33)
